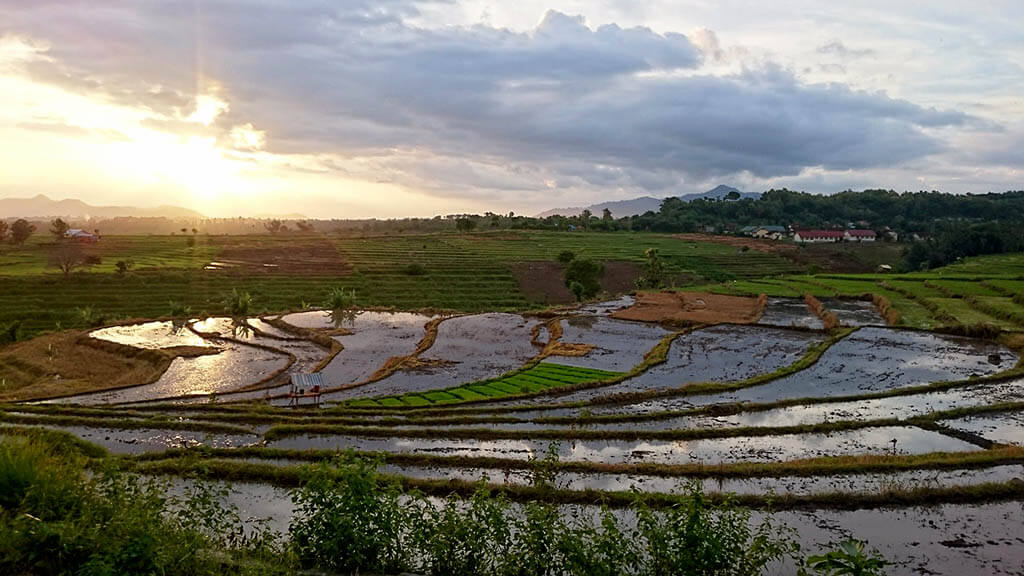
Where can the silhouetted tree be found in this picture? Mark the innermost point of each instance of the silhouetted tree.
(59, 229)
(21, 230)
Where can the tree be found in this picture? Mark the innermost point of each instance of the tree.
(21, 231)
(465, 224)
(585, 272)
(606, 215)
(123, 266)
(732, 195)
(654, 271)
(59, 229)
(305, 226)
(69, 256)
(585, 217)
(274, 226)
(4, 227)
(566, 256)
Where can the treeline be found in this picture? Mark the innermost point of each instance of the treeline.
(907, 213)
(950, 242)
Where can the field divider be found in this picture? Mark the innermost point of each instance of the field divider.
(293, 476)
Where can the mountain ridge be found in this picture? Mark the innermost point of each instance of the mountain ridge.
(42, 206)
(642, 204)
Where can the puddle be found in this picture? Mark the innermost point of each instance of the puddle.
(253, 502)
(151, 335)
(620, 345)
(605, 308)
(473, 348)
(854, 312)
(789, 312)
(710, 451)
(234, 367)
(1003, 428)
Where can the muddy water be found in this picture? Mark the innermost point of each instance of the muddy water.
(151, 335)
(605, 308)
(791, 485)
(869, 360)
(269, 329)
(619, 345)
(789, 312)
(376, 337)
(711, 451)
(854, 312)
(120, 441)
(948, 539)
(469, 348)
(1004, 428)
(717, 354)
(234, 367)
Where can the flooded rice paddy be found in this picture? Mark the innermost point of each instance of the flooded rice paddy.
(708, 451)
(938, 539)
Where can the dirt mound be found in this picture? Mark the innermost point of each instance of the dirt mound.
(541, 281)
(71, 362)
(304, 256)
(759, 244)
(693, 307)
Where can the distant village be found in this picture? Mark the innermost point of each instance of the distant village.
(852, 233)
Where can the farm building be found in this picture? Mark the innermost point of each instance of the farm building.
(81, 236)
(771, 232)
(818, 236)
(860, 236)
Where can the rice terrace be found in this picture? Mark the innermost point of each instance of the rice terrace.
(873, 406)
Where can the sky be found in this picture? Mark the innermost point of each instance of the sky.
(393, 108)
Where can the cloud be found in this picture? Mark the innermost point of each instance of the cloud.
(838, 48)
(475, 110)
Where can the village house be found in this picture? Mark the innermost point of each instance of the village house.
(818, 236)
(860, 236)
(81, 236)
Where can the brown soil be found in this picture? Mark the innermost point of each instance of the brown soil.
(541, 281)
(69, 363)
(759, 244)
(304, 256)
(692, 307)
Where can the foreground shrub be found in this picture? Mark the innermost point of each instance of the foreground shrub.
(350, 519)
(56, 519)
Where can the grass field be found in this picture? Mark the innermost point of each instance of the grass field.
(467, 273)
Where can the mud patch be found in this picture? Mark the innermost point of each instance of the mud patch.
(304, 257)
(789, 312)
(542, 281)
(692, 307)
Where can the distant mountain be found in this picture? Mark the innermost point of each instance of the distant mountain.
(44, 207)
(620, 208)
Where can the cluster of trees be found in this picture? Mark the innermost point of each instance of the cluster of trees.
(951, 242)
(907, 213)
(17, 233)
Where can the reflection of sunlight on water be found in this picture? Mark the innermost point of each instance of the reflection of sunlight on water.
(150, 335)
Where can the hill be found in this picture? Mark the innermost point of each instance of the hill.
(643, 204)
(42, 206)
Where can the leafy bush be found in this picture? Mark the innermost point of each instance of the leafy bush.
(89, 317)
(123, 266)
(340, 299)
(10, 332)
(415, 269)
(566, 256)
(850, 559)
(585, 272)
(238, 303)
(56, 519)
(653, 275)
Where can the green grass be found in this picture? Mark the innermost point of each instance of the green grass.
(965, 314)
(543, 376)
(964, 287)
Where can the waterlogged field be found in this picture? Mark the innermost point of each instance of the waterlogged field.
(834, 412)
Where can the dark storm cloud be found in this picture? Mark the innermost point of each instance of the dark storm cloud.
(607, 106)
